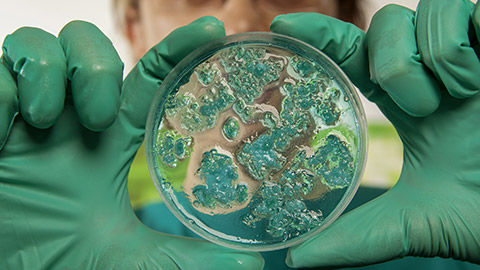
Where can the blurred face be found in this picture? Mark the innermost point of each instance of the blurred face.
(157, 18)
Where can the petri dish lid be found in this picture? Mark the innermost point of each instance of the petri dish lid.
(256, 141)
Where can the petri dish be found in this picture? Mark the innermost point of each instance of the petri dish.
(256, 141)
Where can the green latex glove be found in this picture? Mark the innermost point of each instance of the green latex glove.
(419, 63)
(63, 196)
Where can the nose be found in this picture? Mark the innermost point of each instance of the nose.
(241, 16)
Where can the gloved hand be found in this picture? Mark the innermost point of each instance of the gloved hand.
(422, 70)
(63, 196)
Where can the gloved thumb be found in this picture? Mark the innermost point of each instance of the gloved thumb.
(375, 232)
(144, 80)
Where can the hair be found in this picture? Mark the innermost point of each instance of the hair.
(350, 11)
(127, 11)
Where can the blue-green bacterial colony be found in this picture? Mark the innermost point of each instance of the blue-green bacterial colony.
(258, 138)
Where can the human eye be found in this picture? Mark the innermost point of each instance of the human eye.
(290, 4)
(204, 3)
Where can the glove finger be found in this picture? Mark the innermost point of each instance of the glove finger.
(37, 60)
(144, 80)
(373, 233)
(476, 25)
(95, 72)
(395, 63)
(342, 42)
(8, 103)
(442, 28)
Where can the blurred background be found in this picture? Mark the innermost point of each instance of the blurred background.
(385, 151)
(52, 15)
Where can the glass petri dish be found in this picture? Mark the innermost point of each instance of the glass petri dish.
(256, 141)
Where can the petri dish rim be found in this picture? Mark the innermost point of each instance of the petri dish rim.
(186, 66)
